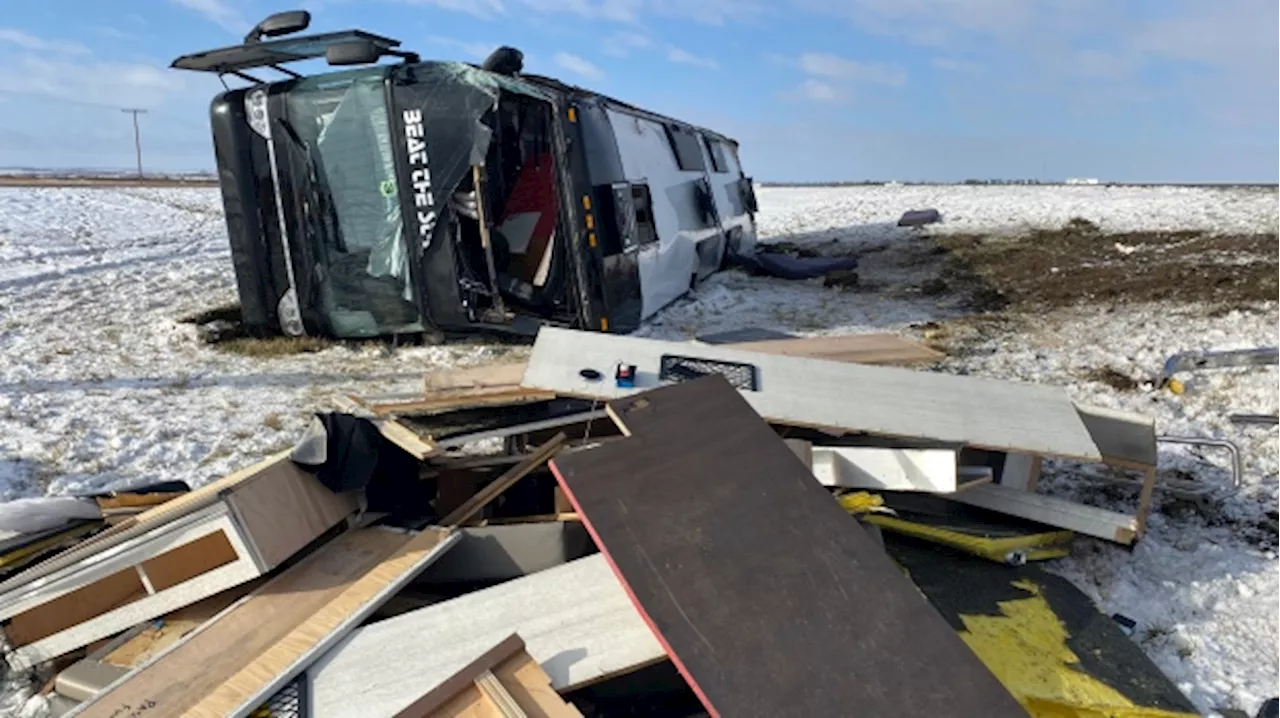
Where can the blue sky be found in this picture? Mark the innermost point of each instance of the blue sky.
(1126, 90)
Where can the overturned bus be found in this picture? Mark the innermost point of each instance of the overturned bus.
(432, 197)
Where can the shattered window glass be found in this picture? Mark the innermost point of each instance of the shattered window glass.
(364, 259)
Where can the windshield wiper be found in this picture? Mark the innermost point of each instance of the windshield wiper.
(316, 188)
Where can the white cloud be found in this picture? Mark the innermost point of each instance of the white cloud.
(620, 44)
(710, 12)
(821, 64)
(577, 65)
(485, 9)
(471, 50)
(951, 64)
(18, 38)
(219, 12)
(676, 55)
(819, 91)
(113, 84)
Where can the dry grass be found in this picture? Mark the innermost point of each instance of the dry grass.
(275, 346)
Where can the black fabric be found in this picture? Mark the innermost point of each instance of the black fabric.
(785, 266)
(359, 458)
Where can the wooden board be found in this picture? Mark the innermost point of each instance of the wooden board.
(1052, 511)
(575, 619)
(856, 348)
(985, 413)
(502, 677)
(859, 467)
(463, 513)
(160, 635)
(253, 642)
(769, 599)
(488, 376)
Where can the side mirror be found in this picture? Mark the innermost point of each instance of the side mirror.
(281, 23)
(353, 52)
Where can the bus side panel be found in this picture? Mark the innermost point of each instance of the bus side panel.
(619, 266)
(669, 265)
(736, 217)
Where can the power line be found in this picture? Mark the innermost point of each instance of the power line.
(137, 137)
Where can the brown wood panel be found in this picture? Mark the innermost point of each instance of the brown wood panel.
(766, 595)
(195, 668)
(505, 671)
(189, 560)
(78, 606)
(172, 627)
(855, 348)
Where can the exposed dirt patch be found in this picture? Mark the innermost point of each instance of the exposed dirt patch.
(1115, 379)
(1079, 263)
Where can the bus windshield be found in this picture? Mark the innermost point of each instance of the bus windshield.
(359, 245)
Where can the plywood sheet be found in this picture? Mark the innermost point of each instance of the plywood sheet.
(769, 599)
(575, 620)
(178, 681)
(856, 348)
(798, 391)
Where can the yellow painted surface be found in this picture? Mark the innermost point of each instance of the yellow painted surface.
(1026, 648)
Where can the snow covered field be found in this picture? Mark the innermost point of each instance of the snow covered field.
(101, 384)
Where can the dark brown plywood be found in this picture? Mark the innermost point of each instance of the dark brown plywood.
(767, 596)
(75, 607)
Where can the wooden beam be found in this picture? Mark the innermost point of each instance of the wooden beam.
(463, 513)
(1052, 511)
(854, 348)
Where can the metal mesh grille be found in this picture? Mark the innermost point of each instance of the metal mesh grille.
(288, 702)
(679, 368)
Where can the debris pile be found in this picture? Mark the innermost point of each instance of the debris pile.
(749, 524)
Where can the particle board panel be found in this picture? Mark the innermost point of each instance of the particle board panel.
(177, 681)
(751, 575)
(575, 619)
(172, 627)
(856, 467)
(1052, 511)
(798, 391)
(186, 504)
(286, 508)
(268, 672)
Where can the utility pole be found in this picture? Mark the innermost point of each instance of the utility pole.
(137, 138)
